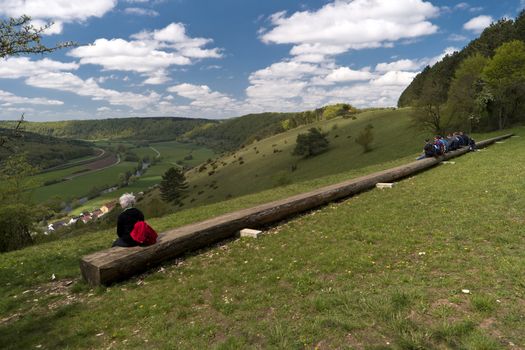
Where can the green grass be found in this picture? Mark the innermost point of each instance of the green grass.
(382, 270)
(80, 186)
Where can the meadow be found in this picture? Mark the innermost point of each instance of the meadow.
(435, 262)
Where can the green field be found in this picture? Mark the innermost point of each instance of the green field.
(386, 269)
(79, 186)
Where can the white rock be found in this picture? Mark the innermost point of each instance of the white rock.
(465, 291)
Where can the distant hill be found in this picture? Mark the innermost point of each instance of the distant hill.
(150, 129)
(233, 133)
(44, 151)
(441, 74)
(223, 135)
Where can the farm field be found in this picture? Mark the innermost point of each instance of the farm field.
(80, 185)
(373, 271)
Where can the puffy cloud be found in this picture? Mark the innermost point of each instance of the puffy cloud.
(20, 67)
(149, 53)
(352, 24)
(400, 65)
(202, 96)
(342, 74)
(8, 99)
(289, 83)
(56, 10)
(413, 65)
(477, 24)
(65, 81)
(396, 78)
(55, 27)
(139, 11)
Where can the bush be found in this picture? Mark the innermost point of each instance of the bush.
(16, 223)
(311, 144)
(365, 138)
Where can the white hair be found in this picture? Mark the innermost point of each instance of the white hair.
(127, 200)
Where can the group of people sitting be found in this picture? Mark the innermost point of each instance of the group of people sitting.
(441, 145)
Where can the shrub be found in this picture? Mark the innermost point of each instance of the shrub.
(311, 144)
(16, 223)
(365, 138)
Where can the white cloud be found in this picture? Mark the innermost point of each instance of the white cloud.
(401, 65)
(345, 24)
(65, 81)
(202, 96)
(103, 109)
(57, 11)
(20, 67)
(396, 78)
(342, 74)
(139, 11)
(54, 27)
(288, 84)
(149, 53)
(477, 24)
(8, 99)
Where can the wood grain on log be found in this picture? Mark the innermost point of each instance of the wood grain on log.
(117, 264)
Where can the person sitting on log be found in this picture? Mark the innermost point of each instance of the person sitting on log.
(132, 230)
(453, 142)
(440, 146)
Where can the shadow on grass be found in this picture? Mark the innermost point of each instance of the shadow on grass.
(51, 330)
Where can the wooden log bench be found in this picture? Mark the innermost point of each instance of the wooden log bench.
(117, 264)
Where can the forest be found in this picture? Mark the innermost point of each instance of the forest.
(480, 88)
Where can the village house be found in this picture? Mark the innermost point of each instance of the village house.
(109, 206)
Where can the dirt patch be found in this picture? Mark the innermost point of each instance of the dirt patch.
(104, 162)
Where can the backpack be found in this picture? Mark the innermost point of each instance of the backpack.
(429, 149)
(143, 233)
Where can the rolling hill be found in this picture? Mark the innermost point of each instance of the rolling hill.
(269, 163)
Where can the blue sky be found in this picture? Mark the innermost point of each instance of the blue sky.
(225, 58)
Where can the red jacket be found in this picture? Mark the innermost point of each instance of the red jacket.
(143, 233)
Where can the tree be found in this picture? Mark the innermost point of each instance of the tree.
(505, 77)
(311, 144)
(365, 138)
(16, 213)
(173, 185)
(19, 36)
(428, 112)
(463, 104)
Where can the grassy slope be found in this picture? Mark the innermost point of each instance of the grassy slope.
(384, 269)
(263, 169)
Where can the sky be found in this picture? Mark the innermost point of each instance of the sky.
(225, 58)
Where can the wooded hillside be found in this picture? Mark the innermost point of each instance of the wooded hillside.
(44, 151)
(154, 129)
(477, 88)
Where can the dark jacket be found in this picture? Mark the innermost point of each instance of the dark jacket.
(125, 223)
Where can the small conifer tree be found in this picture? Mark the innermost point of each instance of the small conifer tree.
(173, 185)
